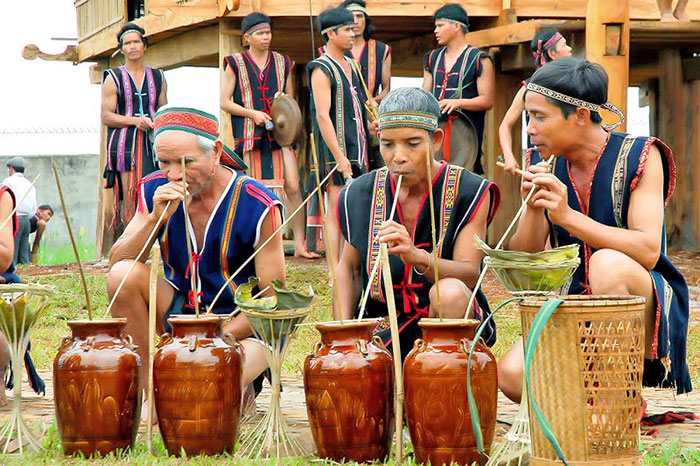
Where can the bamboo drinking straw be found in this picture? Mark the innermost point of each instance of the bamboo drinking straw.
(428, 160)
(188, 236)
(72, 240)
(152, 311)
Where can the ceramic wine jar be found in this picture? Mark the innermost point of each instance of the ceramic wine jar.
(435, 384)
(96, 392)
(348, 382)
(197, 386)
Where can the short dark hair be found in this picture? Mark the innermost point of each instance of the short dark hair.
(46, 207)
(576, 78)
(254, 19)
(453, 11)
(544, 35)
(17, 169)
(331, 17)
(131, 27)
(369, 29)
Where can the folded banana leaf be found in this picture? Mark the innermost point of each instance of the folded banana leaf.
(283, 299)
(560, 254)
(20, 315)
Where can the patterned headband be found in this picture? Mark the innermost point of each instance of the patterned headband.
(402, 119)
(539, 54)
(578, 103)
(455, 21)
(337, 26)
(356, 7)
(258, 27)
(130, 31)
(198, 123)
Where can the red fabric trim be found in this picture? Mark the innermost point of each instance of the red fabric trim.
(657, 322)
(665, 151)
(15, 220)
(259, 194)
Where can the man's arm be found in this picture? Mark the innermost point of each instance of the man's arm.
(347, 288)
(7, 241)
(505, 130)
(482, 102)
(427, 81)
(386, 78)
(40, 227)
(228, 85)
(269, 265)
(142, 224)
(641, 240)
(163, 97)
(321, 88)
(466, 258)
(108, 110)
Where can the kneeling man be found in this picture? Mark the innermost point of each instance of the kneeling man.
(464, 205)
(606, 192)
(230, 214)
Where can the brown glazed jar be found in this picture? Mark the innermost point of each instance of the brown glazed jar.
(348, 382)
(197, 386)
(96, 392)
(435, 382)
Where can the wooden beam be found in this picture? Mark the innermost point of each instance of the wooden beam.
(678, 97)
(691, 68)
(228, 45)
(608, 43)
(183, 49)
(517, 33)
(407, 54)
(641, 73)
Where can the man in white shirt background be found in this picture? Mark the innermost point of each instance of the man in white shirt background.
(27, 207)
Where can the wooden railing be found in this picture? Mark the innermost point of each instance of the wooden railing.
(97, 15)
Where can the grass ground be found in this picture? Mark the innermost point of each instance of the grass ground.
(69, 303)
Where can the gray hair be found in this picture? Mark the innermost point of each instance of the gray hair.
(409, 99)
(205, 144)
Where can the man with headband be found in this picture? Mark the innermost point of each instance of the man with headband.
(547, 45)
(337, 113)
(464, 205)
(230, 215)
(131, 95)
(251, 81)
(461, 77)
(606, 192)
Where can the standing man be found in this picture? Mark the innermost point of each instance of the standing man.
(338, 115)
(407, 129)
(458, 75)
(131, 94)
(251, 82)
(37, 224)
(606, 192)
(27, 208)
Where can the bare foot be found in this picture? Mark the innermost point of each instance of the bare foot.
(681, 16)
(301, 251)
(668, 18)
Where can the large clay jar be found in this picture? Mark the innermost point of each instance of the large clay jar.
(96, 392)
(435, 382)
(349, 392)
(197, 386)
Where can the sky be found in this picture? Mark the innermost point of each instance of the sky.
(51, 107)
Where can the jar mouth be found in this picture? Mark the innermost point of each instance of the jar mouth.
(346, 325)
(434, 322)
(103, 321)
(193, 319)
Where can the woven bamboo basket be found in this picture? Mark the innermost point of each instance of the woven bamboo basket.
(586, 377)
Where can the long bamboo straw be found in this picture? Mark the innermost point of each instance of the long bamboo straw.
(136, 259)
(72, 240)
(520, 211)
(322, 207)
(17, 204)
(188, 236)
(375, 269)
(152, 311)
(260, 248)
(396, 350)
(428, 161)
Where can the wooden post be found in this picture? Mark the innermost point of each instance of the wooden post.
(228, 45)
(104, 235)
(679, 127)
(608, 43)
(506, 86)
